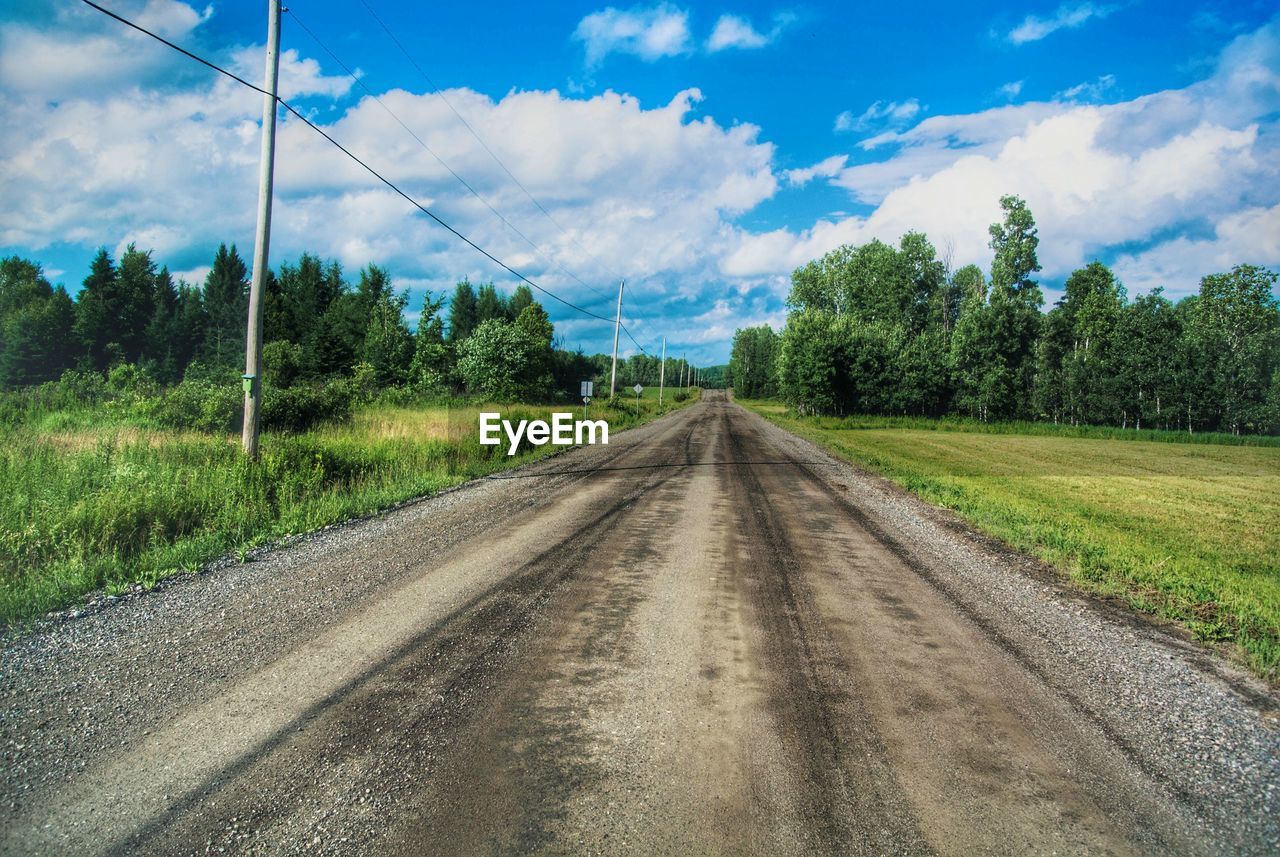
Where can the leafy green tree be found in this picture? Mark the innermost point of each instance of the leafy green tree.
(36, 326)
(388, 344)
(494, 361)
(1013, 307)
(432, 357)
(753, 362)
(1146, 340)
(1236, 322)
(535, 324)
(1091, 309)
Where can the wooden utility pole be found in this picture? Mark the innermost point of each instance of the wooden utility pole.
(662, 371)
(617, 326)
(266, 170)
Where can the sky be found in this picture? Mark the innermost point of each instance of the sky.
(700, 151)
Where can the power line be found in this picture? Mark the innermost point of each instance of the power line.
(436, 90)
(466, 184)
(289, 107)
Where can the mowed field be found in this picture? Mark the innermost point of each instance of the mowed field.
(90, 501)
(1187, 531)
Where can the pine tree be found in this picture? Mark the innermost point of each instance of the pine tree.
(462, 312)
(97, 325)
(226, 303)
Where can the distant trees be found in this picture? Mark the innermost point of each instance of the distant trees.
(317, 328)
(879, 329)
(36, 325)
(752, 364)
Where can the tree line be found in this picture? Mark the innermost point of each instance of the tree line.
(317, 326)
(879, 329)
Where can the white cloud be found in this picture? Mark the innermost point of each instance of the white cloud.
(1096, 177)
(880, 114)
(649, 33)
(645, 187)
(1068, 16)
(734, 31)
(1012, 89)
(1251, 236)
(824, 169)
(1093, 90)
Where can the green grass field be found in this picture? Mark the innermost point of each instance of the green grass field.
(1187, 531)
(88, 500)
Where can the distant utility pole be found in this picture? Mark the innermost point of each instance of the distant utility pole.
(662, 371)
(266, 171)
(617, 326)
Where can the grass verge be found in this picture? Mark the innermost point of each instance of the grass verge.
(92, 504)
(1186, 531)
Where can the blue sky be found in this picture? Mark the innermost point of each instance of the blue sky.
(701, 150)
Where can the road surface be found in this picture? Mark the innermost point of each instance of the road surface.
(708, 637)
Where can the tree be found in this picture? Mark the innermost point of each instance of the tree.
(753, 362)
(1013, 310)
(226, 303)
(534, 323)
(1091, 310)
(462, 312)
(96, 324)
(388, 344)
(494, 360)
(490, 305)
(161, 347)
(1236, 323)
(135, 301)
(36, 325)
(431, 367)
(520, 298)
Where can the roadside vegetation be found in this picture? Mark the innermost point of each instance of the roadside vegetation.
(105, 497)
(120, 410)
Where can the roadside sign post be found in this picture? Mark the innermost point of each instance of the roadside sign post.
(638, 390)
(587, 389)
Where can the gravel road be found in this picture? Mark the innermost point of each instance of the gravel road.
(707, 637)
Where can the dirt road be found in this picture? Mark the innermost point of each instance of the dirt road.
(707, 637)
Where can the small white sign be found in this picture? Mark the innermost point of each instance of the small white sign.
(588, 389)
(638, 389)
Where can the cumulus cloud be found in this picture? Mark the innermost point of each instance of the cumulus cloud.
(1176, 162)
(649, 33)
(647, 188)
(734, 31)
(1067, 17)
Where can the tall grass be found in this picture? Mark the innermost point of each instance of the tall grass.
(87, 504)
